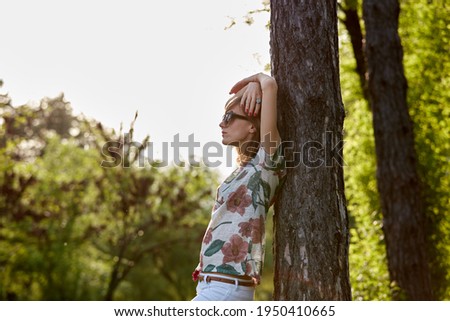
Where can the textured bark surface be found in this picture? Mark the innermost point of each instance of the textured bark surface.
(398, 182)
(311, 227)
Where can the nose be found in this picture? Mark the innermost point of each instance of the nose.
(221, 124)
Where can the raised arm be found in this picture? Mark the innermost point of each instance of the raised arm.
(270, 137)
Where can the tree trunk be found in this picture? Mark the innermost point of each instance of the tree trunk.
(398, 181)
(310, 223)
(353, 26)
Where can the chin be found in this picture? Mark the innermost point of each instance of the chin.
(227, 142)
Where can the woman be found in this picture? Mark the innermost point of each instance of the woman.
(232, 251)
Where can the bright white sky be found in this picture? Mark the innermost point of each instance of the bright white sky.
(170, 60)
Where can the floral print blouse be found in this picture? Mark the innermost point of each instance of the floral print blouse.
(235, 238)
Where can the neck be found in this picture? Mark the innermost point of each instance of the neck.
(247, 151)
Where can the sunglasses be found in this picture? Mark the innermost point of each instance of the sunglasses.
(229, 116)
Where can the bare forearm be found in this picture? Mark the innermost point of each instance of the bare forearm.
(267, 83)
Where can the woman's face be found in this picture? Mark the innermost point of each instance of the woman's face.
(237, 130)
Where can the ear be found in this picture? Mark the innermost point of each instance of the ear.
(252, 129)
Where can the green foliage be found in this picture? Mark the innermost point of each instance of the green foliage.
(425, 32)
(71, 229)
(367, 258)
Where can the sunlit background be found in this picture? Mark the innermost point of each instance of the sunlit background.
(73, 230)
(172, 61)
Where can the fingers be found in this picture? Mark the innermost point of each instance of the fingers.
(250, 105)
(253, 107)
(238, 86)
(251, 99)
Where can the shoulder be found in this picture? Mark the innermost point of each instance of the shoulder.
(275, 161)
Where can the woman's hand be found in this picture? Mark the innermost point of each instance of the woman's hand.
(254, 87)
(251, 98)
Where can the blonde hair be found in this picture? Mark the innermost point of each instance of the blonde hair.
(248, 150)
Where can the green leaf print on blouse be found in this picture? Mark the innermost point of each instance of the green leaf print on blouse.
(227, 269)
(209, 268)
(215, 247)
(255, 183)
(266, 190)
(275, 162)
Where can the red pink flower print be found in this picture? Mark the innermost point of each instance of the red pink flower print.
(252, 228)
(208, 236)
(235, 250)
(239, 200)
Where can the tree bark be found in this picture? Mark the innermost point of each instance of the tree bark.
(310, 223)
(397, 178)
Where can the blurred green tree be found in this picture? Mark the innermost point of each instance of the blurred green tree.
(425, 45)
(398, 181)
(71, 229)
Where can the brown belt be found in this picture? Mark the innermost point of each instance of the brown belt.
(210, 278)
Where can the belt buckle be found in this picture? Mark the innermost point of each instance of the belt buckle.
(208, 279)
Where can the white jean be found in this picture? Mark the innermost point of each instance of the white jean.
(219, 291)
